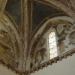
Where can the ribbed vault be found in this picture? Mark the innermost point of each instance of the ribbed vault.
(24, 26)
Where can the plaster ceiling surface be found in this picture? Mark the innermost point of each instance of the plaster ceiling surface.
(13, 8)
(42, 11)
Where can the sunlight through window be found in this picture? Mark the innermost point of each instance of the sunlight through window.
(53, 45)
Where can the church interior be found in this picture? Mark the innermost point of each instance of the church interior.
(37, 37)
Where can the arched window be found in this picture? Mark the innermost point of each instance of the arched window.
(52, 45)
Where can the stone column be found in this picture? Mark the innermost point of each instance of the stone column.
(25, 31)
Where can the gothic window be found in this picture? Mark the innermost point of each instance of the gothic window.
(52, 45)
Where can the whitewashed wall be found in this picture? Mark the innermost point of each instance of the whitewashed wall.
(5, 71)
(64, 67)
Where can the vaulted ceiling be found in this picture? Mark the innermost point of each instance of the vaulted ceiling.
(20, 21)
